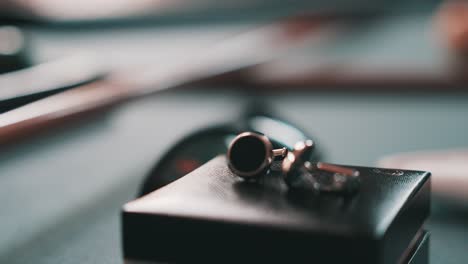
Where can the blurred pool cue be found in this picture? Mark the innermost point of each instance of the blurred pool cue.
(240, 52)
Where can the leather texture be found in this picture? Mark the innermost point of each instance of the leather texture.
(212, 215)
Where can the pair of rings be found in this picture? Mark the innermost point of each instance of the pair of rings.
(250, 155)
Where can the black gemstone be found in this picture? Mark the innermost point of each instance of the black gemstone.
(247, 154)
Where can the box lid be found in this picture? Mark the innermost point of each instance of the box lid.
(213, 215)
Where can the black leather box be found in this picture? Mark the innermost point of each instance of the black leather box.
(210, 215)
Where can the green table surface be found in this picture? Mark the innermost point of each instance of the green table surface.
(61, 194)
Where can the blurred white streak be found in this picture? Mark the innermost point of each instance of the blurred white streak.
(48, 76)
(449, 169)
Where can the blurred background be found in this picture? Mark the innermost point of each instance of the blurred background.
(378, 83)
